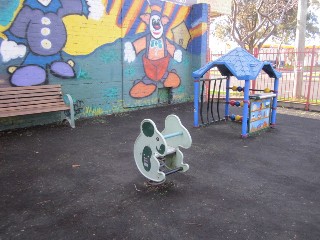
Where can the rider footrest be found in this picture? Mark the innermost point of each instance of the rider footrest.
(173, 171)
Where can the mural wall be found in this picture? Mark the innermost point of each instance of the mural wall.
(110, 55)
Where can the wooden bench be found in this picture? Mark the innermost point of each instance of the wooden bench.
(17, 101)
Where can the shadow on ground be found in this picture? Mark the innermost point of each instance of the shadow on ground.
(82, 183)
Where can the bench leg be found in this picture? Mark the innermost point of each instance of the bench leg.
(71, 118)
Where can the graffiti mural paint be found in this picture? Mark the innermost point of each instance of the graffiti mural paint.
(110, 44)
(39, 27)
(158, 52)
(39, 30)
(8, 10)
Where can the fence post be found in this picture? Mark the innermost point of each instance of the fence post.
(310, 78)
(253, 83)
(208, 53)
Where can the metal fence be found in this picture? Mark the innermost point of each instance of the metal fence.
(307, 71)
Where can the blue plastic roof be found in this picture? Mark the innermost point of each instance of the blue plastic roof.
(239, 63)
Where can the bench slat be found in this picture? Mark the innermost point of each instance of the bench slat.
(32, 111)
(37, 88)
(27, 95)
(30, 101)
(15, 93)
(21, 108)
(17, 100)
(21, 91)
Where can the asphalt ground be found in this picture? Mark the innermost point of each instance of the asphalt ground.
(82, 183)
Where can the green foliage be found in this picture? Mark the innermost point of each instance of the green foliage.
(287, 30)
(251, 24)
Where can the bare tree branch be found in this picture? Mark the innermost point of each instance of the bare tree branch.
(254, 21)
(260, 44)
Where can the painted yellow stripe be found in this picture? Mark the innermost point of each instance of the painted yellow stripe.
(168, 9)
(115, 12)
(131, 16)
(116, 8)
(141, 28)
(181, 16)
(198, 30)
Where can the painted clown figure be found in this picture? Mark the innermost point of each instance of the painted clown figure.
(40, 28)
(158, 52)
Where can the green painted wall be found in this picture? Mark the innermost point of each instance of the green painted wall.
(104, 80)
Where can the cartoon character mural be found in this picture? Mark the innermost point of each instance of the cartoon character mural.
(158, 52)
(39, 30)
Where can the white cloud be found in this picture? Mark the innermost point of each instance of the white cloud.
(96, 9)
(11, 50)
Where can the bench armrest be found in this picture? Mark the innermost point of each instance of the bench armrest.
(70, 103)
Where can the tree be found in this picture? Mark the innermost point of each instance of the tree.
(287, 30)
(300, 46)
(305, 27)
(253, 21)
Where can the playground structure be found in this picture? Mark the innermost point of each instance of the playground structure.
(242, 65)
(157, 154)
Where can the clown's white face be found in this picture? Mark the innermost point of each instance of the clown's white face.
(156, 26)
(44, 2)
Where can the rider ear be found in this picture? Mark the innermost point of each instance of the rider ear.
(147, 129)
